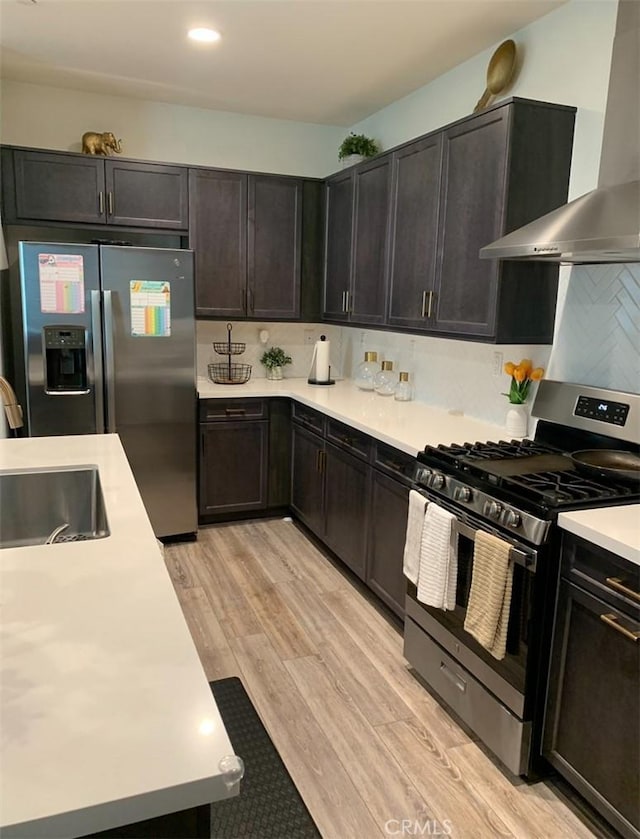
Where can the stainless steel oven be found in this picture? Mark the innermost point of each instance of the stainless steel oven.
(489, 695)
(514, 489)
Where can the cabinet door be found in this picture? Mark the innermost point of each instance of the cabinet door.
(275, 229)
(218, 235)
(337, 278)
(367, 301)
(592, 726)
(414, 231)
(346, 506)
(59, 187)
(233, 466)
(387, 532)
(471, 215)
(147, 194)
(307, 479)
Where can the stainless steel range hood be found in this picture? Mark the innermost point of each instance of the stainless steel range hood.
(602, 225)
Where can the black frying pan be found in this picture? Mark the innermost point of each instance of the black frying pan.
(608, 463)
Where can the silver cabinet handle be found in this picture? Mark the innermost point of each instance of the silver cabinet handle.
(109, 362)
(423, 310)
(431, 296)
(344, 303)
(250, 301)
(98, 373)
(458, 681)
(349, 301)
(110, 202)
(100, 204)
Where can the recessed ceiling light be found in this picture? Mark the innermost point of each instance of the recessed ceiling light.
(203, 35)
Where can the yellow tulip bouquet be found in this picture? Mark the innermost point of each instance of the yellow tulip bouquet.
(521, 377)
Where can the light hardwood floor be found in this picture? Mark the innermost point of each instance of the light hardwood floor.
(366, 745)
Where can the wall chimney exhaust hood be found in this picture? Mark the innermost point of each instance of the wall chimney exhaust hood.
(602, 226)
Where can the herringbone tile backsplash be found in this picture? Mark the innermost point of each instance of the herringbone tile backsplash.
(598, 333)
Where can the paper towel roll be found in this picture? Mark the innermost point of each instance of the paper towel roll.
(320, 362)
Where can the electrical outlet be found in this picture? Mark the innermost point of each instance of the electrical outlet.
(497, 363)
(309, 337)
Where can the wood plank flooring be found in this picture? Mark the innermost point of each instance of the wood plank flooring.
(365, 744)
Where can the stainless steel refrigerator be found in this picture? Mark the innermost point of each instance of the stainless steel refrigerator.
(109, 346)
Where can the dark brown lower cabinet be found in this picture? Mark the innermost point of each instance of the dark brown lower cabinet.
(307, 483)
(387, 530)
(592, 724)
(233, 466)
(346, 506)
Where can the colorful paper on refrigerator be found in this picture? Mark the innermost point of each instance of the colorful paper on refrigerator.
(61, 279)
(150, 309)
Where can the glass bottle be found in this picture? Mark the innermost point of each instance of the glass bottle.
(383, 382)
(366, 371)
(403, 391)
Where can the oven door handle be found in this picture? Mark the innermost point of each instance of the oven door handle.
(527, 560)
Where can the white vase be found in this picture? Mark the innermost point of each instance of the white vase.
(274, 373)
(517, 420)
(351, 160)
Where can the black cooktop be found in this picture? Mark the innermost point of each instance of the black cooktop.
(527, 470)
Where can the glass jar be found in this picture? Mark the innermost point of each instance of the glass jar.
(366, 371)
(384, 382)
(403, 390)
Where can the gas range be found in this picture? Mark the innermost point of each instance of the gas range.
(521, 485)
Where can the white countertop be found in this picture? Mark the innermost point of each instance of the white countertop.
(409, 426)
(617, 529)
(106, 714)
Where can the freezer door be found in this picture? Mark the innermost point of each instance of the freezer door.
(150, 382)
(62, 342)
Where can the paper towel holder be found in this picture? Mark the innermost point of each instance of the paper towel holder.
(313, 380)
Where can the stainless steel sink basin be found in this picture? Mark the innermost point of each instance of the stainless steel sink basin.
(51, 505)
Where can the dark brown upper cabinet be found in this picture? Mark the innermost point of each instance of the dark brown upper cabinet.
(274, 243)
(68, 187)
(338, 246)
(218, 236)
(357, 239)
(367, 299)
(452, 192)
(246, 231)
(414, 226)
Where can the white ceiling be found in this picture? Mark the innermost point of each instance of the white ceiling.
(321, 61)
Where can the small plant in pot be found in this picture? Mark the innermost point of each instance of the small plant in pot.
(356, 147)
(274, 359)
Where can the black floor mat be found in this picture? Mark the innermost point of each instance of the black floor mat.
(269, 805)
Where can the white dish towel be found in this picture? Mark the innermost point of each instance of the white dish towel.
(415, 522)
(438, 574)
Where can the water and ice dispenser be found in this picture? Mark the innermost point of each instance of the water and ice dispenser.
(65, 350)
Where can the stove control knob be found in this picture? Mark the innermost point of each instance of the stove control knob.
(492, 509)
(463, 494)
(512, 519)
(437, 481)
(422, 476)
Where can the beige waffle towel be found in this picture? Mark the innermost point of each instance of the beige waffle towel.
(490, 597)
(438, 574)
(415, 520)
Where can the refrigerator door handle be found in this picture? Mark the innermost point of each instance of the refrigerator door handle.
(109, 362)
(98, 370)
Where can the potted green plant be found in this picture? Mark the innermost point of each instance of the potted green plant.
(274, 359)
(355, 147)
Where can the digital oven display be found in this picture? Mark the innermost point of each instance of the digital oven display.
(605, 411)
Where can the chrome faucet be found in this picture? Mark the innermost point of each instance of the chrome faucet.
(11, 407)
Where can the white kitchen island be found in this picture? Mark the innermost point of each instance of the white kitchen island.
(106, 715)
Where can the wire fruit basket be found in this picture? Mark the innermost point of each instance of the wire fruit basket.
(228, 372)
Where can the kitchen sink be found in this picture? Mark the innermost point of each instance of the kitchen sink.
(44, 506)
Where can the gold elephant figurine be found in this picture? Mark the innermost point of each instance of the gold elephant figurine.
(95, 143)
